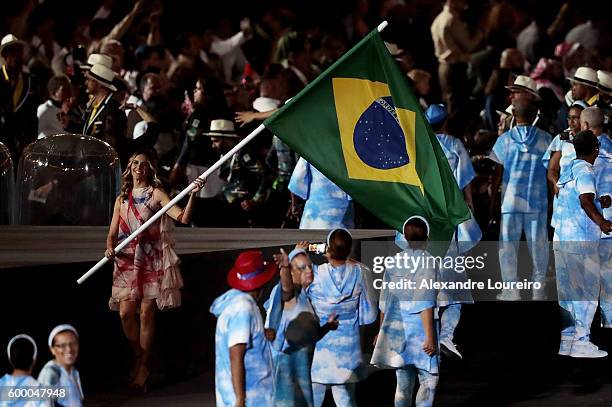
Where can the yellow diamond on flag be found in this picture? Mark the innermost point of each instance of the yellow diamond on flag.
(378, 139)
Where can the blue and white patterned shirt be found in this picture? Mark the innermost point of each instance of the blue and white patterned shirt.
(54, 374)
(603, 175)
(20, 382)
(327, 206)
(239, 322)
(401, 335)
(338, 358)
(574, 224)
(520, 151)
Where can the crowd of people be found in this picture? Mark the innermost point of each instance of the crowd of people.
(525, 118)
(126, 80)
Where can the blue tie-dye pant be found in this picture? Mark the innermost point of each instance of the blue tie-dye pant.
(578, 290)
(605, 299)
(406, 380)
(449, 319)
(535, 227)
(344, 394)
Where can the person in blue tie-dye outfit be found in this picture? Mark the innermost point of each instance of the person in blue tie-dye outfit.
(326, 206)
(518, 153)
(560, 153)
(466, 236)
(339, 288)
(576, 249)
(21, 352)
(407, 339)
(293, 328)
(243, 363)
(61, 371)
(593, 119)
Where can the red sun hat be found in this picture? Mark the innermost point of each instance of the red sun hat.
(250, 272)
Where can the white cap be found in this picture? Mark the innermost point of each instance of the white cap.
(296, 252)
(416, 217)
(21, 336)
(59, 329)
(331, 232)
(265, 104)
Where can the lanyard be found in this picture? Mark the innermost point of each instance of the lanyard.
(94, 110)
(18, 91)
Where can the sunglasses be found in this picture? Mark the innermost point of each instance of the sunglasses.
(304, 267)
(66, 345)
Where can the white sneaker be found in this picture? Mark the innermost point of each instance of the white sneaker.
(586, 349)
(509, 295)
(565, 346)
(449, 348)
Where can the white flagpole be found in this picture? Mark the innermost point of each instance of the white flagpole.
(176, 199)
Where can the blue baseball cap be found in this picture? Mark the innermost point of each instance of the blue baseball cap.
(436, 113)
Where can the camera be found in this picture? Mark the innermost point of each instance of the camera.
(317, 248)
(565, 135)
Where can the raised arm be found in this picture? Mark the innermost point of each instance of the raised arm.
(123, 26)
(286, 281)
(180, 215)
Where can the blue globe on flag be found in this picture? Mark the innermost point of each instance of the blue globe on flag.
(378, 137)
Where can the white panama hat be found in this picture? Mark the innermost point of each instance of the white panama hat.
(221, 128)
(526, 84)
(103, 75)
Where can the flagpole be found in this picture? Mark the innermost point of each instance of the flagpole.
(382, 26)
(175, 200)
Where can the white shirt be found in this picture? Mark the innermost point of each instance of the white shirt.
(229, 53)
(48, 119)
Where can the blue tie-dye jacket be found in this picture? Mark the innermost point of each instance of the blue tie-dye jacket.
(239, 322)
(520, 151)
(342, 290)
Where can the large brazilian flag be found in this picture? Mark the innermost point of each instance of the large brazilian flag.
(360, 124)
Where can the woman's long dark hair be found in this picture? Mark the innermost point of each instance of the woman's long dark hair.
(127, 182)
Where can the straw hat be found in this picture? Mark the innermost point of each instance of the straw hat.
(10, 40)
(525, 84)
(102, 75)
(221, 128)
(604, 82)
(508, 112)
(586, 76)
(98, 59)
